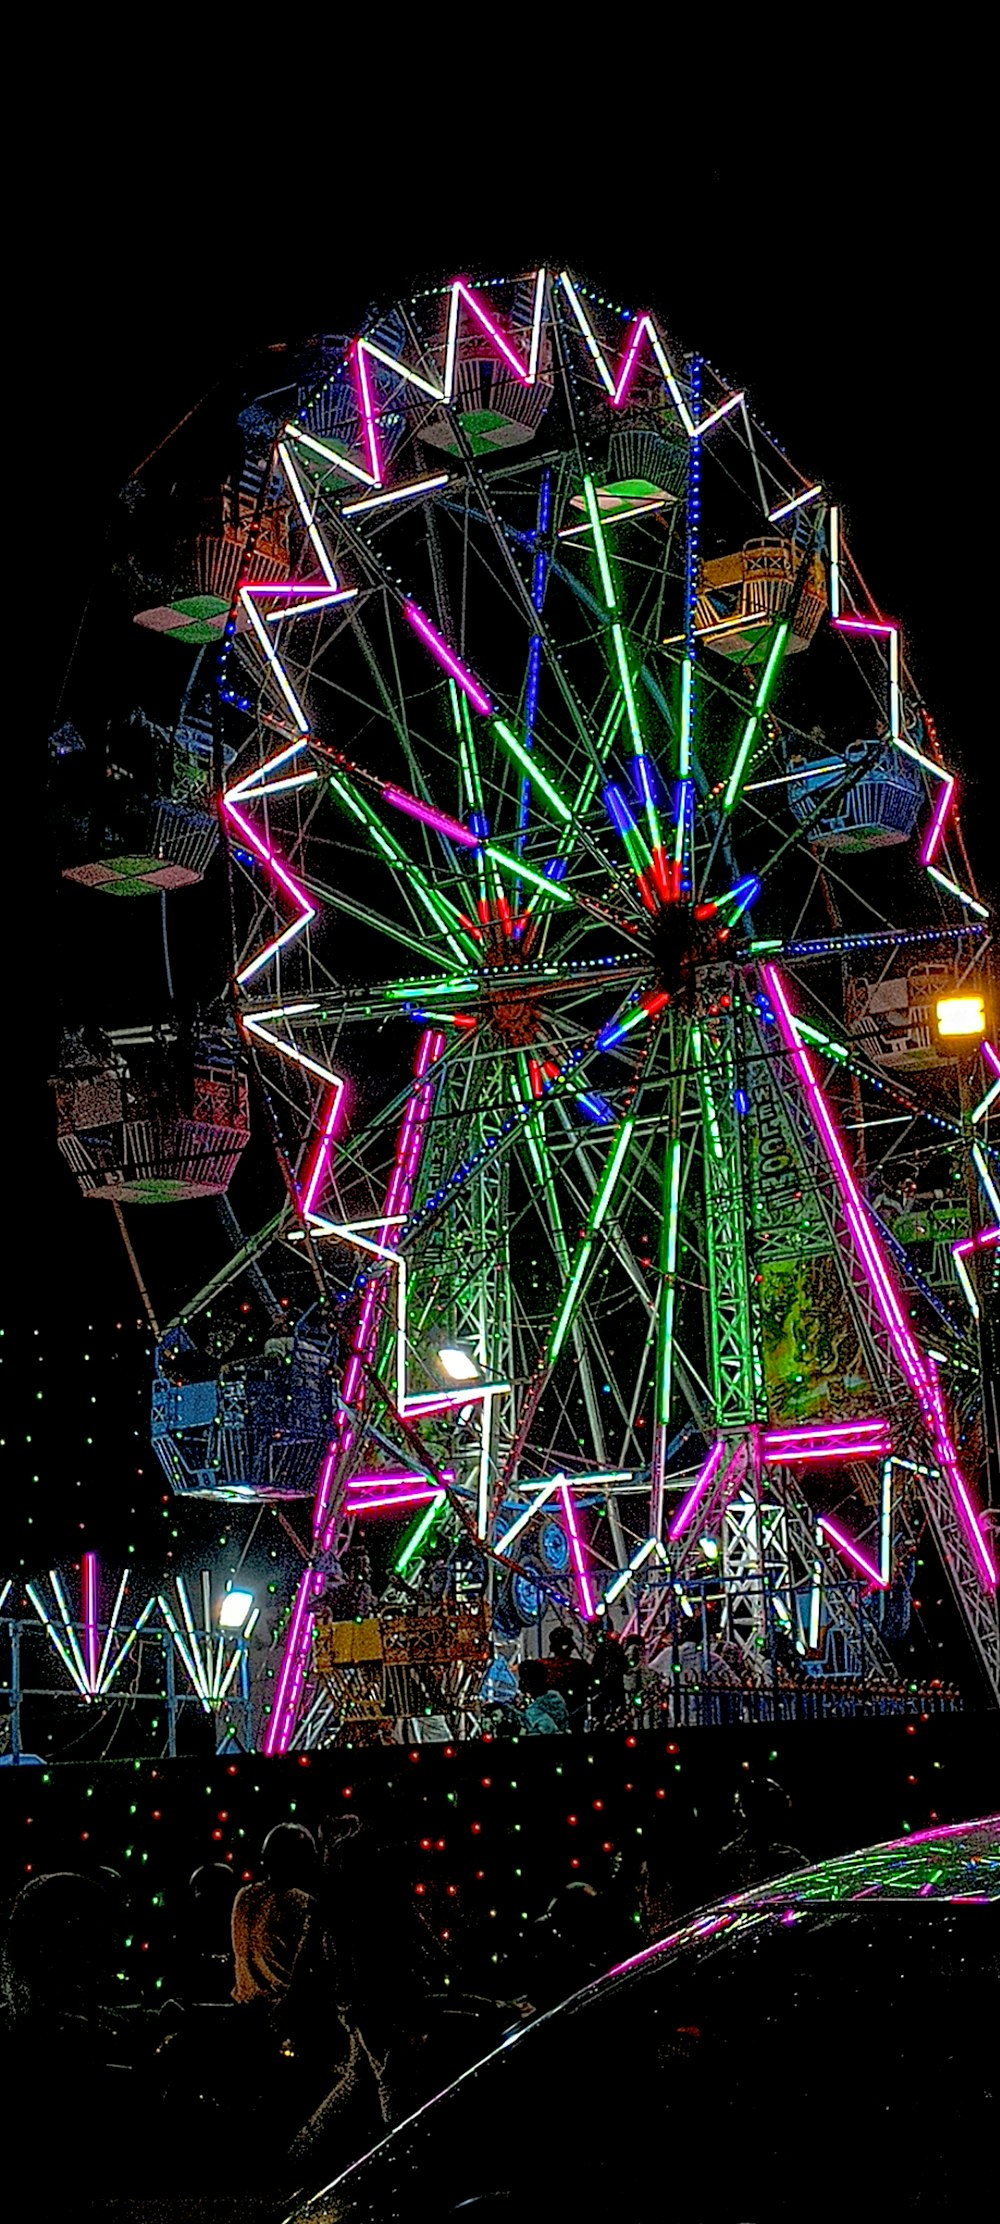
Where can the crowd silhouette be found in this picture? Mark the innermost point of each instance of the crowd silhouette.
(308, 2010)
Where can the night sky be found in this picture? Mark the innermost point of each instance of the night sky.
(834, 266)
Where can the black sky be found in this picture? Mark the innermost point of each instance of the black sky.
(827, 243)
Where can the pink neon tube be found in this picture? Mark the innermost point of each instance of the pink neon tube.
(696, 1492)
(846, 1545)
(439, 820)
(372, 1505)
(382, 1482)
(803, 1432)
(321, 1156)
(476, 309)
(981, 1241)
(919, 1371)
(449, 662)
(935, 830)
(409, 1149)
(323, 1491)
(89, 1589)
(291, 1674)
(307, 910)
(864, 625)
(625, 375)
(583, 1590)
(871, 1448)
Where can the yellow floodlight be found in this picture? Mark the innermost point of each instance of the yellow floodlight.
(961, 1015)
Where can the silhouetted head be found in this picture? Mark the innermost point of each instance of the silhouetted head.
(58, 1953)
(213, 1887)
(560, 1644)
(288, 1857)
(763, 1805)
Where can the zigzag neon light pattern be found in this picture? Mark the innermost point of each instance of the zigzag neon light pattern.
(877, 628)
(364, 351)
(298, 1636)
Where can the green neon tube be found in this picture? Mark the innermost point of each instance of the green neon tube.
(528, 762)
(421, 1527)
(468, 758)
(684, 746)
(588, 784)
(606, 1186)
(599, 543)
(570, 1295)
(441, 910)
(628, 697)
(452, 984)
(534, 1135)
(517, 867)
(707, 1097)
(765, 684)
(469, 762)
(599, 1208)
(826, 1042)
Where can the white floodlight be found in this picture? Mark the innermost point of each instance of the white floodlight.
(458, 1365)
(234, 1609)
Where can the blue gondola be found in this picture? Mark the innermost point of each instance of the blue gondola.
(880, 807)
(257, 1431)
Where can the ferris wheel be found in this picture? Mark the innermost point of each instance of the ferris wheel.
(606, 904)
(612, 967)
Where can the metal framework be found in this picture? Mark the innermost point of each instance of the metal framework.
(570, 676)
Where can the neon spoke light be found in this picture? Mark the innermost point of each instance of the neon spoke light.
(391, 1500)
(447, 659)
(543, 1493)
(795, 502)
(528, 761)
(989, 1187)
(932, 838)
(321, 1155)
(245, 790)
(584, 1593)
(983, 1240)
(961, 895)
(517, 867)
(307, 512)
(396, 494)
(441, 821)
(652, 1548)
(599, 1209)
(760, 701)
(845, 1544)
(420, 1532)
(689, 1505)
(918, 1370)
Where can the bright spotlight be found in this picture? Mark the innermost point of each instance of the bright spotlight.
(234, 1609)
(961, 1015)
(457, 1364)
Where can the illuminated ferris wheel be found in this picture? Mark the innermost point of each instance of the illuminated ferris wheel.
(608, 917)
